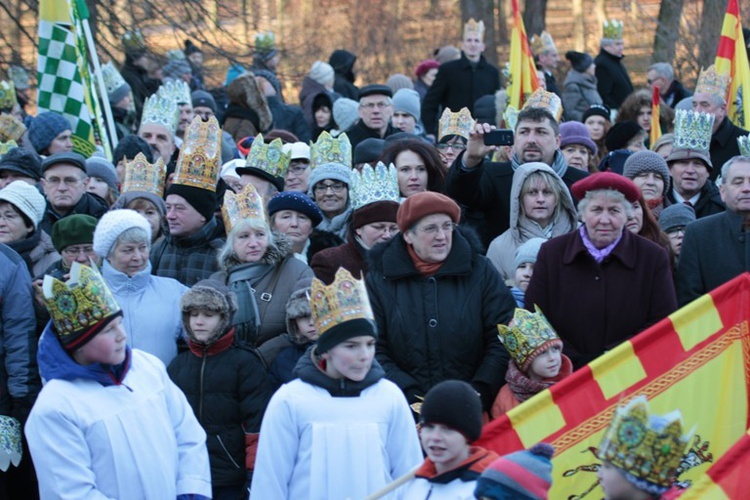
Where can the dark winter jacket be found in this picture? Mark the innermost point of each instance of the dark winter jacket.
(359, 132)
(281, 355)
(140, 83)
(350, 256)
(724, 145)
(675, 93)
(708, 203)
(342, 62)
(458, 84)
(613, 81)
(551, 83)
(310, 90)
(440, 327)
(288, 117)
(89, 204)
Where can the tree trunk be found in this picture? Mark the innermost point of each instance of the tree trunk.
(482, 10)
(579, 26)
(502, 36)
(712, 19)
(667, 30)
(534, 16)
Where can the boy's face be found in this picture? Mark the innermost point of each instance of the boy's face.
(351, 358)
(306, 328)
(547, 364)
(203, 324)
(523, 275)
(446, 447)
(614, 484)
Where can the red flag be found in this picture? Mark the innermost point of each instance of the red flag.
(731, 59)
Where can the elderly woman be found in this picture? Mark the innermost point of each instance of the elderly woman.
(540, 207)
(601, 285)
(151, 304)
(295, 215)
(649, 171)
(418, 164)
(576, 146)
(257, 265)
(21, 210)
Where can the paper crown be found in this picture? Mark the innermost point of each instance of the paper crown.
(343, 300)
(612, 29)
(329, 149)
(693, 130)
(247, 204)
(140, 175)
(711, 82)
(78, 304)
(160, 110)
(529, 333)
(7, 94)
(175, 55)
(178, 91)
(133, 40)
(7, 146)
(474, 28)
(744, 144)
(547, 100)
(11, 449)
(645, 446)
(455, 123)
(265, 41)
(269, 158)
(374, 184)
(113, 80)
(200, 157)
(11, 128)
(542, 43)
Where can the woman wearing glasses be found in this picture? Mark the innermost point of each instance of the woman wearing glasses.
(329, 188)
(453, 134)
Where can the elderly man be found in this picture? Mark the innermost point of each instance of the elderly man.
(437, 303)
(613, 81)
(662, 75)
(716, 248)
(375, 112)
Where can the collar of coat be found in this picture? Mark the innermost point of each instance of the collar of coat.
(468, 470)
(626, 251)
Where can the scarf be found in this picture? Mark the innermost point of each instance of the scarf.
(424, 268)
(242, 281)
(523, 387)
(559, 165)
(599, 254)
(25, 246)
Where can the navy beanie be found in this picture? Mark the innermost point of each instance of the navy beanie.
(299, 202)
(44, 128)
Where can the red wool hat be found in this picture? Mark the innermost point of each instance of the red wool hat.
(606, 180)
(423, 204)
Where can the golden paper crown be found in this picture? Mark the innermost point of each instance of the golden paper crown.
(547, 100)
(7, 146)
(542, 43)
(711, 82)
(80, 303)
(200, 157)
(459, 124)
(160, 110)
(7, 95)
(648, 447)
(329, 149)
(269, 158)
(11, 128)
(113, 80)
(693, 130)
(612, 29)
(245, 205)
(176, 90)
(140, 175)
(343, 300)
(474, 28)
(529, 333)
(374, 184)
(744, 144)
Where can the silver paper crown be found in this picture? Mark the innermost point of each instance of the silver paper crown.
(176, 90)
(744, 144)
(161, 110)
(113, 80)
(374, 184)
(693, 130)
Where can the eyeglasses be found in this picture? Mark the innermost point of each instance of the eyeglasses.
(372, 105)
(74, 251)
(674, 233)
(10, 217)
(336, 187)
(297, 169)
(455, 147)
(68, 181)
(433, 229)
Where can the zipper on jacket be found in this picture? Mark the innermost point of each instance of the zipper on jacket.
(200, 404)
(227, 451)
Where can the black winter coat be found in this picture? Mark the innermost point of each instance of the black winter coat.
(441, 327)
(709, 202)
(724, 145)
(342, 62)
(89, 204)
(613, 81)
(359, 132)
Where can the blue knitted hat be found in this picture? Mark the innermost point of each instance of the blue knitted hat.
(501, 480)
(45, 127)
(299, 202)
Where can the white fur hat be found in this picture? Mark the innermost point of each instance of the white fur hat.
(25, 198)
(113, 224)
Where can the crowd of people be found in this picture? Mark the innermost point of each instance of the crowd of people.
(330, 299)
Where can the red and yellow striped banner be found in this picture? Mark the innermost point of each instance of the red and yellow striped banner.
(731, 59)
(655, 112)
(697, 360)
(725, 479)
(524, 80)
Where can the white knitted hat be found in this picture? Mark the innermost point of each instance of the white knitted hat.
(25, 198)
(112, 225)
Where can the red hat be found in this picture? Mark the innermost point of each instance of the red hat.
(423, 204)
(606, 180)
(426, 66)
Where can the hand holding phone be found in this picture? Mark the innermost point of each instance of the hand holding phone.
(499, 137)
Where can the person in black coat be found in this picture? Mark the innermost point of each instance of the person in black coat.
(375, 112)
(342, 62)
(613, 81)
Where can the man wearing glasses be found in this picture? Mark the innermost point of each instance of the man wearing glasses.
(375, 112)
(64, 179)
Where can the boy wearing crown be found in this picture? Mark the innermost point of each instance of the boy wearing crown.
(340, 430)
(108, 423)
(537, 361)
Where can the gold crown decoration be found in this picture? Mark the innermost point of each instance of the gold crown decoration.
(529, 333)
(7, 95)
(693, 130)
(176, 90)
(113, 80)
(7, 146)
(474, 28)
(547, 100)
(133, 40)
(612, 29)
(542, 43)
(269, 158)
(343, 300)
(374, 184)
(140, 175)
(245, 205)
(648, 447)
(78, 304)
(11, 447)
(11, 128)
(459, 123)
(329, 149)
(199, 162)
(744, 144)
(711, 82)
(160, 110)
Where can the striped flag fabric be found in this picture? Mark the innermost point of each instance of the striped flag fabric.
(655, 132)
(697, 360)
(731, 59)
(523, 77)
(725, 479)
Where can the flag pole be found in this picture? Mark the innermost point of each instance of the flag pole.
(97, 76)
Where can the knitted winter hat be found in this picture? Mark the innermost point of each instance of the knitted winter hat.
(596, 110)
(672, 217)
(619, 135)
(580, 61)
(113, 224)
(643, 162)
(102, 168)
(333, 171)
(44, 128)
(456, 404)
(128, 148)
(524, 474)
(299, 202)
(22, 161)
(202, 200)
(368, 151)
(426, 66)
(485, 110)
(576, 133)
(399, 81)
(76, 229)
(379, 211)
(423, 204)
(528, 251)
(209, 295)
(322, 72)
(345, 113)
(407, 101)
(25, 198)
(201, 98)
(175, 69)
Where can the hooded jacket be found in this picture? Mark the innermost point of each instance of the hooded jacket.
(342, 62)
(579, 93)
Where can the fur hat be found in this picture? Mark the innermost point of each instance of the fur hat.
(322, 72)
(22, 161)
(379, 211)
(522, 474)
(210, 295)
(102, 168)
(580, 61)
(643, 162)
(25, 198)
(456, 404)
(576, 133)
(672, 217)
(423, 204)
(113, 224)
(345, 113)
(407, 101)
(45, 127)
